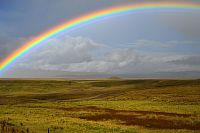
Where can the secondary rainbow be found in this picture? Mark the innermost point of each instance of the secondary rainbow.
(88, 18)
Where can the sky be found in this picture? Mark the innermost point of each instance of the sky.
(144, 42)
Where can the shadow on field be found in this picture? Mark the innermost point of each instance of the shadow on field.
(146, 122)
(149, 119)
(140, 118)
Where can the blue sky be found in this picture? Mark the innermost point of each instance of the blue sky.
(137, 42)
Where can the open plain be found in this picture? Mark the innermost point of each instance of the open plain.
(99, 106)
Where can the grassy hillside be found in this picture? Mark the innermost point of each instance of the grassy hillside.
(106, 105)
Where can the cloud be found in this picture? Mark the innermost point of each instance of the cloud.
(59, 52)
(78, 54)
(9, 44)
(151, 33)
(144, 43)
(115, 61)
(25, 19)
(185, 23)
(190, 60)
(81, 54)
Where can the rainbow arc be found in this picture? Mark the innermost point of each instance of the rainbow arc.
(88, 18)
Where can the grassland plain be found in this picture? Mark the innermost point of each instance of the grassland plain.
(100, 106)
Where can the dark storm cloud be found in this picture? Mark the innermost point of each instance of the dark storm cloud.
(186, 23)
(191, 60)
(8, 44)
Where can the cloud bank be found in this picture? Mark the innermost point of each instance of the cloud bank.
(81, 54)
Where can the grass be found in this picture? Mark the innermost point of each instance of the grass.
(100, 105)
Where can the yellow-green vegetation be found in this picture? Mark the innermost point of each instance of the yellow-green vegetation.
(99, 106)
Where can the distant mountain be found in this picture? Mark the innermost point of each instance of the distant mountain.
(63, 74)
(181, 74)
(26, 73)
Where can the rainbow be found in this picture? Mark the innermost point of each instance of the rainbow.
(89, 18)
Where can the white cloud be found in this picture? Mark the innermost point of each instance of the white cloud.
(79, 54)
(63, 51)
(115, 61)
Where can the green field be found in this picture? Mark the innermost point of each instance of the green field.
(99, 106)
